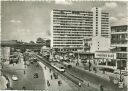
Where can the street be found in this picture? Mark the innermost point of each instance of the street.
(25, 79)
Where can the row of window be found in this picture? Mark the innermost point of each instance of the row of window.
(67, 42)
(72, 21)
(88, 27)
(68, 32)
(119, 41)
(119, 36)
(88, 34)
(55, 45)
(80, 37)
(62, 21)
(73, 12)
(71, 16)
(89, 19)
(121, 55)
(119, 28)
(71, 24)
(71, 30)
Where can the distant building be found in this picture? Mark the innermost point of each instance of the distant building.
(70, 27)
(45, 51)
(119, 40)
(5, 53)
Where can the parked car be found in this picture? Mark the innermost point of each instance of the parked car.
(14, 78)
(120, 84)
(123, 72)
(55, 75)
(115, 81)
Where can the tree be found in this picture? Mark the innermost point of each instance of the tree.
(48, 43)
(32, 42)
(40, 41)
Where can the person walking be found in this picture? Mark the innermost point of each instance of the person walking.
(45, 67)
(24, 72)
(23, 88)
(101, 88)
(48, 83)
(51, 77)
(79, 84)
(50, 70)
(59, 83)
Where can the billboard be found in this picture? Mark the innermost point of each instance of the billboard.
(105, 55)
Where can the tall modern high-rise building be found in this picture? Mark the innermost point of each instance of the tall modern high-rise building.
(69, 28)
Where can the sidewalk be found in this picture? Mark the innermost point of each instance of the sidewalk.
(54, 82)
(3, 83)
(25, 76)
(19, 65)
(107, 75)
(98, 73)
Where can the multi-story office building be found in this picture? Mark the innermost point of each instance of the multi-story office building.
(119, 40)
(69, 28)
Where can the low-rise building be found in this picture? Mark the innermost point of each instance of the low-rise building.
(119, 40)
(106, 59)
(45, 51)
(5, 53)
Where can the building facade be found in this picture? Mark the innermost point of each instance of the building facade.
(5, 53)
(119, 40)
(97, 43)
(68, 28)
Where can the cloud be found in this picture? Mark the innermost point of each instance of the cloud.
(67, 2)
(110, 5)
(15, 21)
(121, 21)
(113, 19)
(121, 15)
(23, 30)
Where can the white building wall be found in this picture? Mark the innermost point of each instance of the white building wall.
(51, 27)
(5, 52)
(100, 44)
(70, 33)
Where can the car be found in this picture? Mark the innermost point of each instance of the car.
(55, 75)
(123, 72)
(115, 81)
(120, 84)
(14, 78)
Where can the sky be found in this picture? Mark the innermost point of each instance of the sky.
(28, 20)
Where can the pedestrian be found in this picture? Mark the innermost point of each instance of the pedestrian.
(48, 83)
(51, 77)
(45, 67)
(24, 72)
(79, 84)
(50, 70)
(59, 83)
(101, 88)
(24, 88)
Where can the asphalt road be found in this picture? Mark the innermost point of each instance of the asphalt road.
(93, 79)
(26, 80)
